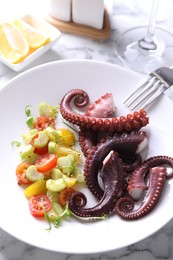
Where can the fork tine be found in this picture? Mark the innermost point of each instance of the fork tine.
(153, 97)
(143, 96)
(153, 85)
(145, 83)
(140, 95)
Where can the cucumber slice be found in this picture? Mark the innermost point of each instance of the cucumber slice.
(45, 110)
(52, 134)
(51, 147)
(33, 175)
(55, 185)
(66, 163)
(53, 196)
(27, 154)
(55, 212)
(42, 140)
(56, 174)
(28, 136)
(57, 208)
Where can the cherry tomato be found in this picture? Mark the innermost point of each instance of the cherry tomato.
(21, 173)
(38, 204)
(46, 162)
(43, 122)
(41, 150)
(65, 195)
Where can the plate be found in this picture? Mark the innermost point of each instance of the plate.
(49, 83)
(43, 27)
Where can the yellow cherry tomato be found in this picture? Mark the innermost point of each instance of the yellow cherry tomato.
(37, 188)
(66, 136)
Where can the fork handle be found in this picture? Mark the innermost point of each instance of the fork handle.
(166, 75)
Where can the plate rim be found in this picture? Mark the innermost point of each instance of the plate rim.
(54, 64)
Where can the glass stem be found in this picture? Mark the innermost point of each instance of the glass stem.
(149, 42)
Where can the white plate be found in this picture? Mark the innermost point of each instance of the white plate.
(43, 27)
(49, 83)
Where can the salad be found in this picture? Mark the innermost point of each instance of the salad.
(50, 164)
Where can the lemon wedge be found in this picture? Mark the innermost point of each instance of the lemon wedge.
(13, 45)
(35, 38)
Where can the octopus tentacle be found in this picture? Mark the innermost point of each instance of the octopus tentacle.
(87, 140)
(157, 179)
(160, 160)
(124, 143)
(128, 123)
(81, 100)
(136, 184)
(113, 190)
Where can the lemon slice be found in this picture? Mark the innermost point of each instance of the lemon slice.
(13, 45)
(35, 38)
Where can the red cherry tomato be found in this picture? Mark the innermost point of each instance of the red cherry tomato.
(43, 122)
(65, 195)
(46, 162)
(38, 204)
(21, 173)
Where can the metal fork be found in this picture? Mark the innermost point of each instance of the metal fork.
(152, 87)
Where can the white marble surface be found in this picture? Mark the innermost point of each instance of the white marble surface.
(123, 15)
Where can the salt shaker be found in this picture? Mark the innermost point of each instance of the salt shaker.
(60, 9)
(88, 12)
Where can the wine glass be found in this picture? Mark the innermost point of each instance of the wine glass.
(145, 49)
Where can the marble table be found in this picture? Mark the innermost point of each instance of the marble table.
(123, 15)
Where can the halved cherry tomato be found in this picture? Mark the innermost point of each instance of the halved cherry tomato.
(21, 173)
(65, 195)
(41, 150)
(38, 204)
(43, 122)
(46, 162)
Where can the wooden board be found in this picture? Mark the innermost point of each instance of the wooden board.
(83, 30)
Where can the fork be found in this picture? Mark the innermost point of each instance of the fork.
(151, 87)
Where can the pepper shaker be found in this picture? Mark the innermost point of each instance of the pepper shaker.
(60, 9)
(88, 12)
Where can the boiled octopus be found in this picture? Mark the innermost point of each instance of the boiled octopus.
(125, 205)
(113, 169)
(126, 146)
(80, 99)
(111, 172)
(137, 184)
(152, 167)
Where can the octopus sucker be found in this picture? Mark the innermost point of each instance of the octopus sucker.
(125, 205)
(87, 140)
(103, 122)
(111, 170)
